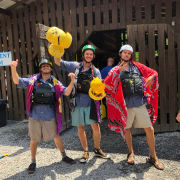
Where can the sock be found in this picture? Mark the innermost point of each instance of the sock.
(33, 160)
(63, 154)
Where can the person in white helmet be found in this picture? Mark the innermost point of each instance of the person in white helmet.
(132, 99)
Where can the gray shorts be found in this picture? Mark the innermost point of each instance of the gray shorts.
(138, 117)
(38, 129)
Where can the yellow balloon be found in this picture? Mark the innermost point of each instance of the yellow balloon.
(57, 37)
(66, 42)
(50, 32)
(56, 51)
(54, 35)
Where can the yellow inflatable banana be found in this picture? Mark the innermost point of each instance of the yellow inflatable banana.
(96, 90)
(60, 41)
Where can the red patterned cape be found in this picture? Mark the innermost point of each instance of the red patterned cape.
(116, 105)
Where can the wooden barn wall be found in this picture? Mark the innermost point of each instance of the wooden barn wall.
(161, 37)
(80, 18)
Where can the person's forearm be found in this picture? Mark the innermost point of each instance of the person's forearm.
(15, 76)
(57, 61)
(69, 89)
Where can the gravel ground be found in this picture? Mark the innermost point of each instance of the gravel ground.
(15, 142)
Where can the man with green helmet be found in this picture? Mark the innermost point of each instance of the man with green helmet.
(84, 110)
(87, 47)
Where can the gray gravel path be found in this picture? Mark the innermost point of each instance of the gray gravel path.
(15, 142)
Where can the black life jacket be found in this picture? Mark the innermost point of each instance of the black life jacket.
(131, 83)
(43, 94)
(83, 81)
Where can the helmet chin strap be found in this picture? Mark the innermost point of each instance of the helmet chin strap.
(86, 61)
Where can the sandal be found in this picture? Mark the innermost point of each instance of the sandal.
(153, 162)
(130, 157)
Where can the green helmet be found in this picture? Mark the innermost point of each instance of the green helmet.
(45, 61)
(88, 47)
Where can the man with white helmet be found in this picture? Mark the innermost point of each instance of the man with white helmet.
(132, 99)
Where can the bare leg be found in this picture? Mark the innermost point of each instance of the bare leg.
(128, 138)
(96, 135)
(33, 148)
(59, 143)
(82, 137)
(151, 142)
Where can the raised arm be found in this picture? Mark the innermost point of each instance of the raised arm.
(57, 61)
(70, 87)
(15, 75)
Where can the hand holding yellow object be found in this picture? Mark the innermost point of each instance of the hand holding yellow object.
(59, 40)
(96, 90)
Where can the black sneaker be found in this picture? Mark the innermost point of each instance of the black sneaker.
(31, 168)
(84, 158)
(100, 153)
(68, 160)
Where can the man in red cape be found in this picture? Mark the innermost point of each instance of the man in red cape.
(132, 99)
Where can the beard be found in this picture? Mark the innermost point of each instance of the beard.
(125, 60)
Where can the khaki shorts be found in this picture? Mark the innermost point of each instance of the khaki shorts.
(138, 117)
(38, 129)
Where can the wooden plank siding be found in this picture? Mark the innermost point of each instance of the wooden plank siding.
(106, 15)
(39, 11)
(89, 18)
(122, 14)
(59, 15)
(2, 74)
(81, 22)
(33, 28)
(67, 28)
(17, 56)
(162, 80)
(98, 15)
(166, 64)
(158, 18)
(178, 61)
(28, 39)
(129, 11)
(172, 80)
(19, 36)
(8, 80)
(148, 11)
(45, 13)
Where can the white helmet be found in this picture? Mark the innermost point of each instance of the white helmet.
(126, 47)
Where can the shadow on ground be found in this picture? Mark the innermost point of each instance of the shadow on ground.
(111, 142)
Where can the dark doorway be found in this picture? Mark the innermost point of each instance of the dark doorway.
(107, 44)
